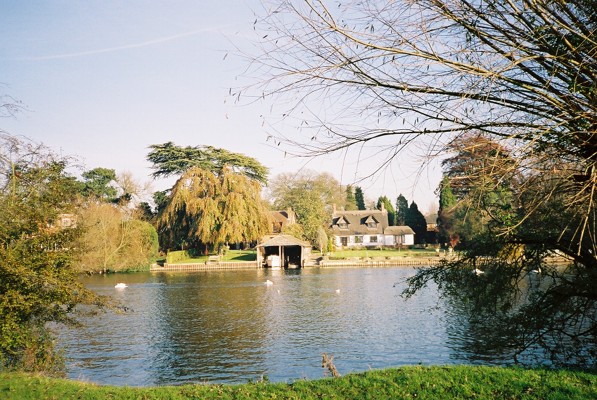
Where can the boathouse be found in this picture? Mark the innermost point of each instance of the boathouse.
(283, 251)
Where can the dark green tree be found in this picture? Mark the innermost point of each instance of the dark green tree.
(169, 159)
(98, 183)
(401, 210)
(388, 207)
(359, 198)
(416, 220)
(445, 214)
(351, 203)
(38, 284)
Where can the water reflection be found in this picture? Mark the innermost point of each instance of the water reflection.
(230, 327)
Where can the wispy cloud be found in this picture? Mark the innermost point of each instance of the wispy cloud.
(121, 48)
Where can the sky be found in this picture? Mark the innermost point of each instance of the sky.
(102, 80)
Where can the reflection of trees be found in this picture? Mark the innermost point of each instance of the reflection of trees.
(208, 313)
(517, 313)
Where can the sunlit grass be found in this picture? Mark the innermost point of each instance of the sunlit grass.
(360, 253)
(231, 255)
(453, 382)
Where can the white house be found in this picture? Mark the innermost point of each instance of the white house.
(368, 228)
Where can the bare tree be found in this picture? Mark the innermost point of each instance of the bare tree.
(392, 74)
(381, 77)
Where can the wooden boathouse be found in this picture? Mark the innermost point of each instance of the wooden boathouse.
(283, 251)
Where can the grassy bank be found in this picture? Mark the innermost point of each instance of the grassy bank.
(454, 382)
(251, 255)
(382, 253)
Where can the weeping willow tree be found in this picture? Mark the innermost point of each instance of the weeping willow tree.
(395, 75)
(208, 209)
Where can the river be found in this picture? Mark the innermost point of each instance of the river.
(231, 327)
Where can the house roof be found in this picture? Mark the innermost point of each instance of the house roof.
(283, 240)
(279, 216)
(399, 230)
(357, 222)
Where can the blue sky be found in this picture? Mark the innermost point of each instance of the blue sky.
(103, 80)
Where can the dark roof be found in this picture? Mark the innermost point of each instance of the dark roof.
(283, 240)
(357, 222)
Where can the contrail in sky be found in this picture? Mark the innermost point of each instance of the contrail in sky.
(125, 47)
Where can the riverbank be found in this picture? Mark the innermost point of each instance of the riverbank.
(449, 382)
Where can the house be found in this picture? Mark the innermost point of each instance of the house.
(63, 221)
(368, 228)
(281, 219)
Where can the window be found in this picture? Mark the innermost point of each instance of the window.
(358, 239)
(373, 239)
(344, 240)
(343, 225)
(372, 224)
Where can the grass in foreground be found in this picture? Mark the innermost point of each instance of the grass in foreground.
(452, 382)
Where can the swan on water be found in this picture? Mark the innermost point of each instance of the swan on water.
(338, 291)
(478, 272)
(269, 283)
(536, 270)
(121, 285)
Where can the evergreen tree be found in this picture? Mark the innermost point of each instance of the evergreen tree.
(351, 203)
(416, 220)
(359, 198)
(388, 207)
(97, 183)
(447, 201)
(169, 159)
(401, 210)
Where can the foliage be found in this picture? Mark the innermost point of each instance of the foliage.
(351, 202)
(388, 207)
(311, 196)
(169, 159)
(209, 209)
(37, 282)
(177, 255)
(416, 220)
(359, 198)
(112, 241)
(445, 214)
(401, 210)
(453, 382)
(98, 184)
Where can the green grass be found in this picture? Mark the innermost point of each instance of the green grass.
(383, 253)
(453, 382)
(231, 255)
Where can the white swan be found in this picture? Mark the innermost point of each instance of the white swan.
(269, 283)
(536, 270)
(338, 291)
(478, 272)
(121, 285)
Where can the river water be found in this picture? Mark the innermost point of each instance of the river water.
(231, 327)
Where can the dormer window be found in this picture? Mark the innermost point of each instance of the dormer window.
(371, 222)
(342, 223)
